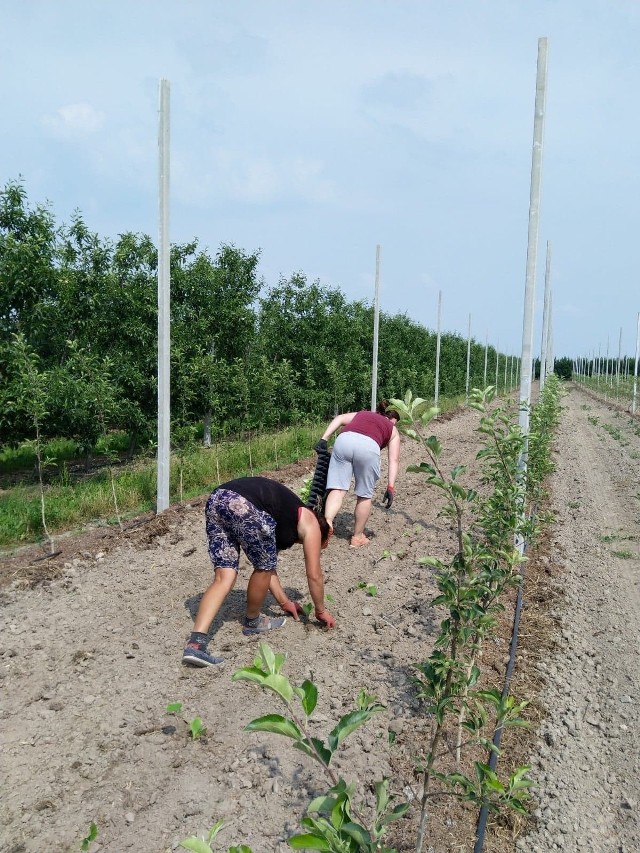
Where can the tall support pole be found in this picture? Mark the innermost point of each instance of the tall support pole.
(545, 319)
(618, 365)
(551, 356)
(486, 352)
(376, 324)
(437, 388)
(497, 363)
(164, 321)
(532, 242)
(466, 387)
(635, 369)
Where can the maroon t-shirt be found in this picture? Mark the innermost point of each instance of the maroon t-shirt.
(372, 424)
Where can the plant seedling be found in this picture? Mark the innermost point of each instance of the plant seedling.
(334, 821)
(369, 588)
(305, 491)
(174, 708)
(89, 837)
(203, 844)
(307, 608)
(197, 728)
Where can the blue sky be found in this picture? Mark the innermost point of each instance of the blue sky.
(315, 131)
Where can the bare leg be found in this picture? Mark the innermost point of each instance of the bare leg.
(213, 597)
(361, 516)
(257, 590)
(333, 504)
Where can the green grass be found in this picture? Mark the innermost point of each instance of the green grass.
(60, 450)
(74, 499)
(617, 537)
(614, 432)
(89, 500)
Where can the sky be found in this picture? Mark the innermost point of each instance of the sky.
(315, 131)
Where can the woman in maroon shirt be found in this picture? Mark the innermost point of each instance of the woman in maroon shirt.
(356, 454)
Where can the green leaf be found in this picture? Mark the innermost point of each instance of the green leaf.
(365, 701)
(434, 445)
(268, 657)
(321, 805)
(431, 561)
(198, 845)
(358, 833)
(215, 829)
(275, 723)
(338, 815)
(321, 750)
(91, 836)
(310, 696)
(174, 708)
(197, 728)
(382, 795)
(348, 724)
(249, 673)
(396, 813)
(422, 468)
(308, 842)
(280, 685)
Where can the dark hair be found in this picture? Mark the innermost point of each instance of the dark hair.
(325, 529)
(383, 409)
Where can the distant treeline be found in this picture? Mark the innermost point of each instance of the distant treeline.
(78, 342)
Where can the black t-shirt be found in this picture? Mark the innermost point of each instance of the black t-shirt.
(277, 500)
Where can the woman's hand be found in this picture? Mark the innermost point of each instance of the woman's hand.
(325, 618)
(293, 609)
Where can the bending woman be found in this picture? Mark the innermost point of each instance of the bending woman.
(261, 517)
(356, 454)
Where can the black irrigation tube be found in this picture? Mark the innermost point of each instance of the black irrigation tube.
(497, 736)
(319, 481)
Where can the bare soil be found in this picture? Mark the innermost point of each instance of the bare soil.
(90, 657)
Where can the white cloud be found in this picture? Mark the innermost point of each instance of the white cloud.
(74, 120)
(247, 178)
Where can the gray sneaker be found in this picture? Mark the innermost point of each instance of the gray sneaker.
(261, 624)
(193, 655)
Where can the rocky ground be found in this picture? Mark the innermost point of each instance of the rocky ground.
(90, 657)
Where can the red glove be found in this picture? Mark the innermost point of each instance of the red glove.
(387, 498)
(325, 618)
(293, 609)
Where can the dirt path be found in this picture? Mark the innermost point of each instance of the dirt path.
(91, 657)
(588, 763)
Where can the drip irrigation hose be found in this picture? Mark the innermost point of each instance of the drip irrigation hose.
(497, 736)
(319, 483)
